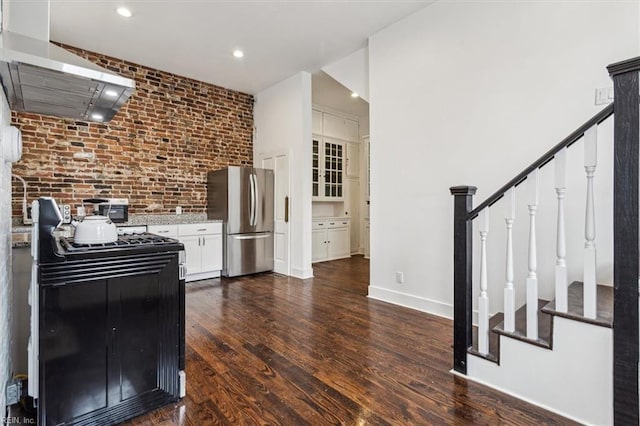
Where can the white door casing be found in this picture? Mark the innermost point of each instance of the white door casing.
(279, 163)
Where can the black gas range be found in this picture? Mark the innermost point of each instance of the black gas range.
(107, 324)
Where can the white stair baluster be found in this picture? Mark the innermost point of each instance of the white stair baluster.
(589, 278)
(561, 250)
(483, 302)
(532, 278)
(509, 296)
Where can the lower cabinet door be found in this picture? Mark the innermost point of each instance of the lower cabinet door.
(211, 253)
(339, 242)
(319, 245)
(193, 253)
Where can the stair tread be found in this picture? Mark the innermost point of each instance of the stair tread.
(575, 309)
(544, 326)
(494, 340)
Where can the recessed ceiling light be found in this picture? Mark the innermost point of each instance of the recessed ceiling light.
(111, 93)
(123, 11)
(238, 53)
(354, 95)
(97, 116)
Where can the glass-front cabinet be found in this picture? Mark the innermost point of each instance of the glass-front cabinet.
(328, 167)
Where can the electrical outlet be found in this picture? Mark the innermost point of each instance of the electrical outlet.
(179, 210)
(399, 277)
(13, 391)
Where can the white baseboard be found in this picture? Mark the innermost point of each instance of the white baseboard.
(410, 301)
(303, 274)
(202, 276)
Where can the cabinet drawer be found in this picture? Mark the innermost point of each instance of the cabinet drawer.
(170, 231)
(322, 224)
(199, 228)
(337, 223)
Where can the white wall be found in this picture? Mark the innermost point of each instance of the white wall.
(6, 292)
(352, 72)
(282, 117)
(471, 93)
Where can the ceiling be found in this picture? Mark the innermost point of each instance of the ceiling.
(195, 38)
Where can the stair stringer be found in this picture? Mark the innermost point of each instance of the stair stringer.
(575, 379)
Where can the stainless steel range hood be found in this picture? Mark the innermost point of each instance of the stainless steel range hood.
(40, 77)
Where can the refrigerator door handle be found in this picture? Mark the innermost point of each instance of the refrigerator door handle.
(254, 214)
(252, 237)
(252, 201)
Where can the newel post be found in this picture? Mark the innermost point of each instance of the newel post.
(626, 262)
(462, 291)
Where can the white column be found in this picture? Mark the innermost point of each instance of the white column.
(589, 278)
(532, 278)
(483, 302)
(509, 295)
(561, 250)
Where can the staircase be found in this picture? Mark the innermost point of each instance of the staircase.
(576, 354)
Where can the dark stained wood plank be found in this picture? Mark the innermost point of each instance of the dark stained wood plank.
(494, 340)
(545, 327)
(575, 305)
(270, 349)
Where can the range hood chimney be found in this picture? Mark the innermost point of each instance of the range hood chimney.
(38, 76)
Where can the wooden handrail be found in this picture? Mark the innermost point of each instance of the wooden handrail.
(540, 162)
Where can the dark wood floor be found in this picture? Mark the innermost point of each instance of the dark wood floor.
(269, 349)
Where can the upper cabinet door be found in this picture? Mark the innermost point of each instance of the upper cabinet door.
(353, 160)
(339, 127)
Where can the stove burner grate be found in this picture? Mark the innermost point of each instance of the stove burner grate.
(123, 241)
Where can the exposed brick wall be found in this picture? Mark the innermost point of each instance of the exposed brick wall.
(156, 151)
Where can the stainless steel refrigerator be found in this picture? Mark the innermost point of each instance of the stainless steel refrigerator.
(242, 197)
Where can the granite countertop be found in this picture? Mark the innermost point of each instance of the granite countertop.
(21, 235)
(168, 219)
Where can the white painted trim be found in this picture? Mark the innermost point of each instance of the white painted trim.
(411, 301)
(201, 276)
(515, 395)
(339, 113)
(303, 274)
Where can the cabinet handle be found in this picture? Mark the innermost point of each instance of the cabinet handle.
(332, 223)
(321, 224)
(286, 209)
(204, 241)
(201, 230)
(163, 232)
(198, 241)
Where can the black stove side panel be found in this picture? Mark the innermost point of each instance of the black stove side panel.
(111, 338)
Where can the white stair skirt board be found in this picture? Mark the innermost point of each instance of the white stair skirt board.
(575, 379)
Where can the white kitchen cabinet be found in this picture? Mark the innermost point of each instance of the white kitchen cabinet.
(353, 160)
(330, 239)
(203, 249)
(202, 245)
(328, 168)
(319, 249)
(335, 126)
